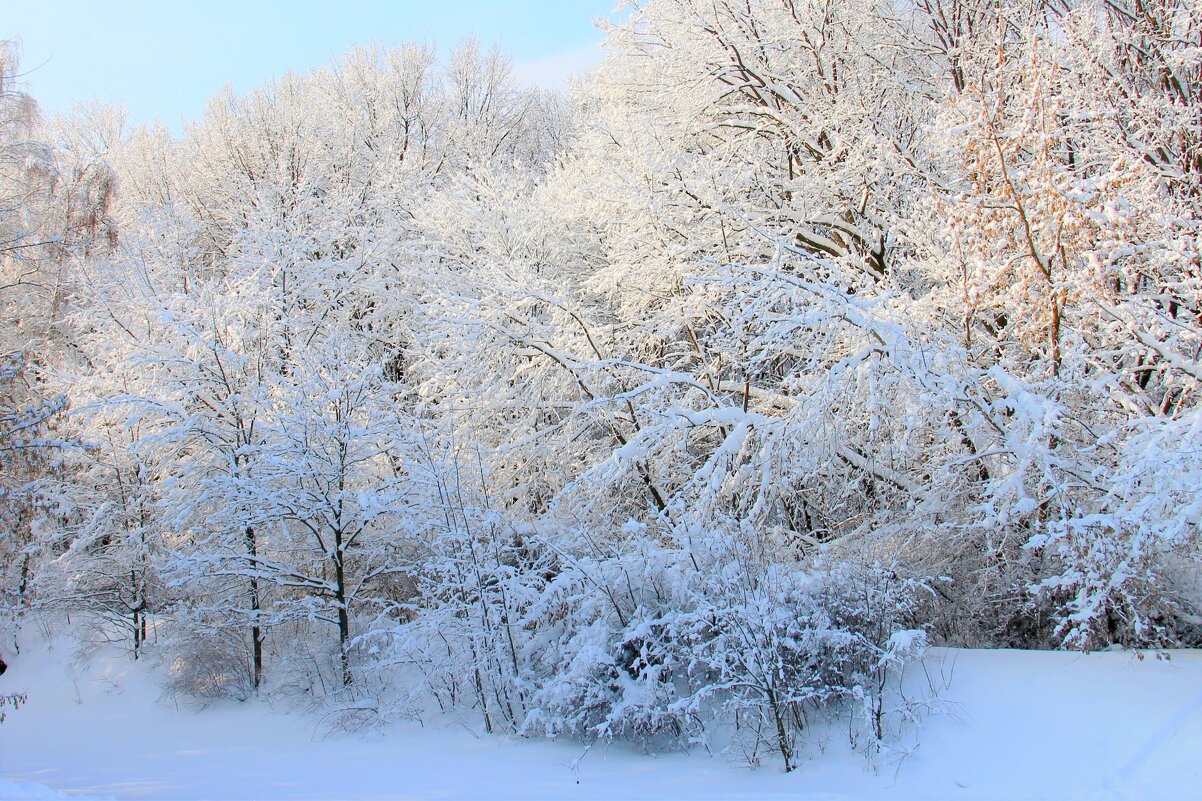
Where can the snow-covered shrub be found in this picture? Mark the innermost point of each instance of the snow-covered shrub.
(472, 628)
(659, 641)
(714, 635)
(207, 661)
(1127, 571)
(13, 701)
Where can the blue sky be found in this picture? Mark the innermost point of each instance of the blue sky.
(164, 59)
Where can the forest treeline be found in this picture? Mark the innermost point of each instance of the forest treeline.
(801, 334)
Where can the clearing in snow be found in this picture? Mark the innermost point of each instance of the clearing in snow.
(1019, 724)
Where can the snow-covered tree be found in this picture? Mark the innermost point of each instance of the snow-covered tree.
(807, 330)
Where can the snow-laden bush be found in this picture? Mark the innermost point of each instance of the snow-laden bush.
(207, 661)
(473, 626)
(1127, 571)
(14, 701)
(663, 640)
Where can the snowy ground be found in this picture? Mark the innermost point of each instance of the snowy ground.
(1027, 725)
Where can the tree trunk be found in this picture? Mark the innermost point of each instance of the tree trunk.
(256, 631)
(344, 620)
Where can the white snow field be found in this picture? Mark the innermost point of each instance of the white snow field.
(1024, 725)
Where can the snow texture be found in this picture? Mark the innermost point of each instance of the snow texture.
(1021, 724)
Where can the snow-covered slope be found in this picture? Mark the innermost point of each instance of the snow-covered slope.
(1022, 725)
